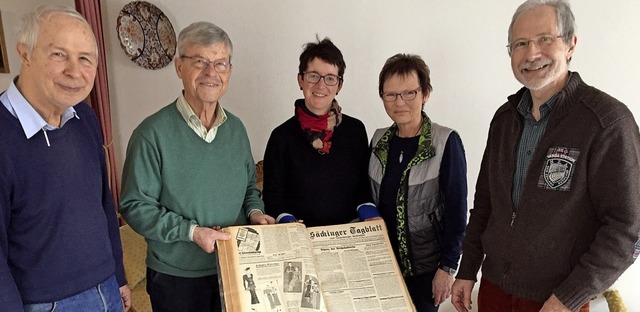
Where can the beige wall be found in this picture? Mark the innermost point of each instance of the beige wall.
(462, 41)
(12, 11)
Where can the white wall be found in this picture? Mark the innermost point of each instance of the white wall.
(462, 41)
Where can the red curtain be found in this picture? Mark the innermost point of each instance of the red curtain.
(99, 96)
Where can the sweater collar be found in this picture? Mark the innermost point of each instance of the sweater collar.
(563, 100)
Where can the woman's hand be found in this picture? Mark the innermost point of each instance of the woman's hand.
(441, 287)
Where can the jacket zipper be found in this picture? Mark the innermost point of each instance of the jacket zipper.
(508, 266)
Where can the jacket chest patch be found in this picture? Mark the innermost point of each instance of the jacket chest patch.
(558, 169)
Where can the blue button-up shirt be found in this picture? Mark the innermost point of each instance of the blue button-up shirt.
(29, 118)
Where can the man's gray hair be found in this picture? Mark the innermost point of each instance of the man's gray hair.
(30, 29)
(204, 34)
(564, 16)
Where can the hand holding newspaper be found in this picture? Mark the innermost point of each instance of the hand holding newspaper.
(288, 267)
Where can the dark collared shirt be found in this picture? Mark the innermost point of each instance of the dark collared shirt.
(532, 131)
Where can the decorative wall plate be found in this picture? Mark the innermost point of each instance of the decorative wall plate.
(146, 35)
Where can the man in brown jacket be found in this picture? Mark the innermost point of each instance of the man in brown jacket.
(556, 215)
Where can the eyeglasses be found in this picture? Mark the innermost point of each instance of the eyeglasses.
(202, 63)
(329, 80)
(541, 42)
(406, 95)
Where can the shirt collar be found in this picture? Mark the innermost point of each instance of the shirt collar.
(189, 115)
(29, 118)
(524, 106)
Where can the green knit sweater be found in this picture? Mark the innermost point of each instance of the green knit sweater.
(172, 179)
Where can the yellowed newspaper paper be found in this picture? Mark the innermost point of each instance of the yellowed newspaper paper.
(357, 268)
(269, 268)
(291, 268)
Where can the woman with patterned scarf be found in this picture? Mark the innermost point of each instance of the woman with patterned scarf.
(417, 171)
(315, 163)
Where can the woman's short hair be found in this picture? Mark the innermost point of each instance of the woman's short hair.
(326, 51)
(404, 65)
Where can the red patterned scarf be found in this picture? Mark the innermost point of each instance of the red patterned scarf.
(318, 130)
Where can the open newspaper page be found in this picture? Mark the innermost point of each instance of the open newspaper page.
(357, 268)
(269, 268)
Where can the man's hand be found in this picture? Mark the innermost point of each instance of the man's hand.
(461, 295)
(554, 305)
(257, 217)
(125, 294)
(441, 287)
(206, 238)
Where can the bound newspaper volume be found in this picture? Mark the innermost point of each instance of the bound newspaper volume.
(289, 267)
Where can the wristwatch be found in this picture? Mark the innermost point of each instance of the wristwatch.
(447, 269)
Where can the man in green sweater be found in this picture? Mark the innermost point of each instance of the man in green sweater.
(188, 171)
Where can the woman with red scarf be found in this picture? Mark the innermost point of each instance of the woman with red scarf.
(315, 163)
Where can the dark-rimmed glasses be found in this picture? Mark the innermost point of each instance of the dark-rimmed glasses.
(202, 63)
(406, 95)
(329, 80)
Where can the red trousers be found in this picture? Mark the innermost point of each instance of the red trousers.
(493, 299)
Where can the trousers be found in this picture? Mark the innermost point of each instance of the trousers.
(492, 298)
(170, 293)
(104, 297)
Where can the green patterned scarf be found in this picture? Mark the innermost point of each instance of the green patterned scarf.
(425, 151)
